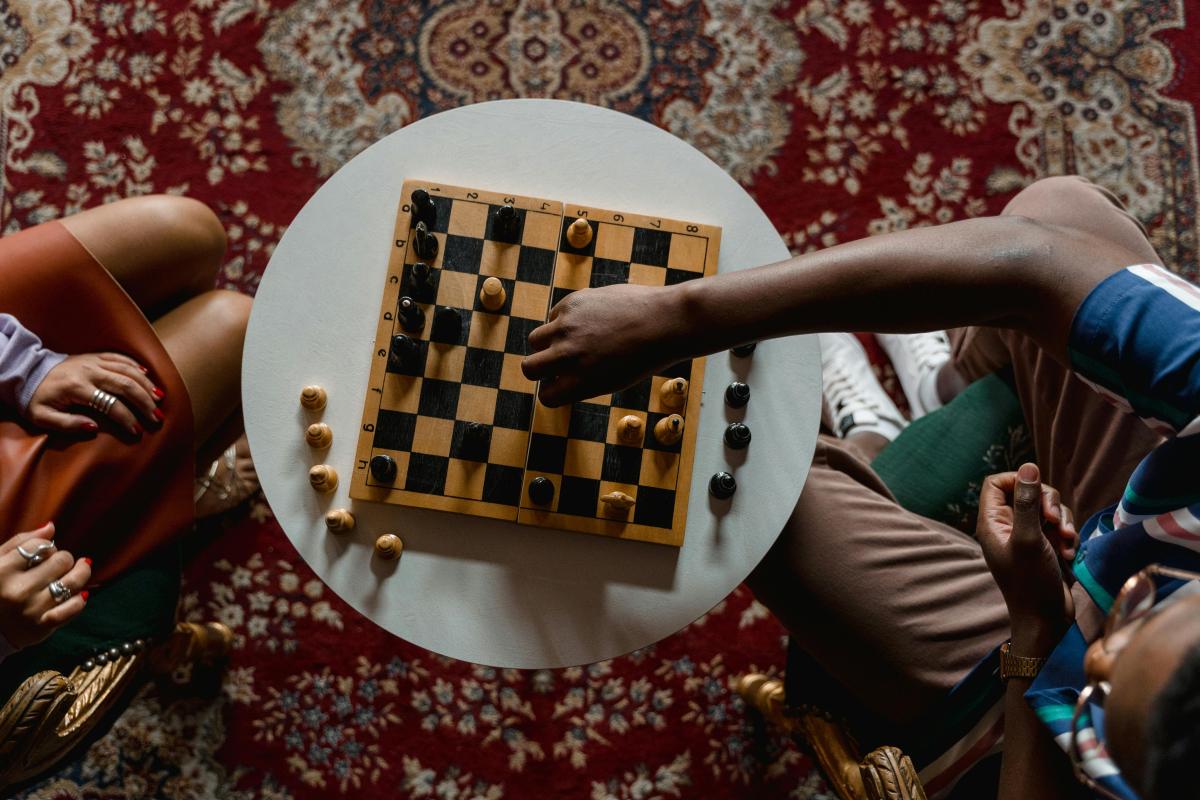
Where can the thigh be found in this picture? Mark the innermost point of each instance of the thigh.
(161, 249)
(204, 337)
(895, 606)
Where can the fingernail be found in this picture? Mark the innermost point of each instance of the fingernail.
(47, 522)
(91, 427)
(1028, 473)
(84, 595)
(87, 561)
(137, 429)
(143, 369)
(159, 393)
(158, 415)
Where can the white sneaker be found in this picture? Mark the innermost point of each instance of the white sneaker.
(859, 404)
(917, 357)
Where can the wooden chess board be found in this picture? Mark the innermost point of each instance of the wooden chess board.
(419, 413)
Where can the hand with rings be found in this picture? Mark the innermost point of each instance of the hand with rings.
(41, 587)
(113, 386)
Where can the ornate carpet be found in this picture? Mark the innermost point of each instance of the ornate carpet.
(842, 117)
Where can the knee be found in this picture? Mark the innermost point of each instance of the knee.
(1050, 198)
(193, 230)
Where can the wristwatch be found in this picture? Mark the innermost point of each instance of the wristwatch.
(1013, 666)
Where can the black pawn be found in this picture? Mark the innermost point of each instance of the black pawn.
(722, 486)
(412, 318)
(402, 351)
(737, 394)
(383, 468)
(743, 350)
(423, 208)
(505, 229)
(447, 326)
(422, 275)
(425, 244)
(475, 442)
(541, 491)
(737, 435)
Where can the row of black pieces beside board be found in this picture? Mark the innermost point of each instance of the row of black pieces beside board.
(722, 485)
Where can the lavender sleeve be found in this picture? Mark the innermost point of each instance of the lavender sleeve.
(23, 363)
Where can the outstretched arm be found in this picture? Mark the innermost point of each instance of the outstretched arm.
(1004, 271)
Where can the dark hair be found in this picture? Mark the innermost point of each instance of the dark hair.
(1173, 733)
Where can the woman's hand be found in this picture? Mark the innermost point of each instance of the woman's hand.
(600, 340)
(1024, 531)
(72, 384)
(28, 612)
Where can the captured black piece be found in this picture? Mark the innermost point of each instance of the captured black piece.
(412, 317)
(722, 486)
(423, 208)
(541, 491)
(383, 468)
(422, 275)
(743, 350)
(737, 435)
(737, 394)
(425, 244)
(402, 351)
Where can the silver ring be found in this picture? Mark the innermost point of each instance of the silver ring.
(36, 557)
(58, 591)
(102, 401)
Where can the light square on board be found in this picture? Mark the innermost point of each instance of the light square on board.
(488, 331)
(511, 376)
(530, 300)
(468, 219)
(554, 421)
(465, 478)
(432, 436)
(644, 275)
(607, 487)
(687, 252)
(572, 272)
(445, 363)
(659, 468)
(541, 230)
(476, 403)
(400, 392)
(499, 259)
(614, 241)
(456, 289)
(615, 414)
(508, 447)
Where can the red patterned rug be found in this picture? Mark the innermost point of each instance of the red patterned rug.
(843, 118)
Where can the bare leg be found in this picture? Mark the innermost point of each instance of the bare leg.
(161, 249)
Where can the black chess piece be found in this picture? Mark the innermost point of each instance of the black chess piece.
(737, 394)
(425, 244)
(737, 435)
(743, 350)
(412, 317)
(541, 491)
(383, 468)
(475, 442)
(505, 227)
(422, 275)
(423, 208)
(447, 326)
(722, 486)
(402, 351)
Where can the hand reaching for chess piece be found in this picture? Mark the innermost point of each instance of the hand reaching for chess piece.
(600, 340)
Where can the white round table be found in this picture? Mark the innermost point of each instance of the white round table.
(476, 589)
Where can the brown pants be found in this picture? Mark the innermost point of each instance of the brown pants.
(898, 608)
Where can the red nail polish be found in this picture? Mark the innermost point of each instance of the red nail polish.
(158, 415)
(84, 595)
(87, 561)
(91, 427)
(137, 430)
(143, 369)
(159, 393)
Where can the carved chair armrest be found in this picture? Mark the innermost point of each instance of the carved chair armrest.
(50, 713)
(885, 774)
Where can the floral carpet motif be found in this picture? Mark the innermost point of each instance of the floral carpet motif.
(843, 118)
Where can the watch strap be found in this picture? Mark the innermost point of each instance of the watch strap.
(1015, 666)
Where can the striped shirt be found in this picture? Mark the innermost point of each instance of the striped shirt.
(1136, 341)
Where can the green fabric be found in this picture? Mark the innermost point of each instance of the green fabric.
(937, 464)
(139, 604)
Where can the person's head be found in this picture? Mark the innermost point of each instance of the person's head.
(1152, 710)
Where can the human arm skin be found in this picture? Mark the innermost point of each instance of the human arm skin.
(1000, 271)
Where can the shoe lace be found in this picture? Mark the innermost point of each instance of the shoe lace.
(845, 394)
(929, 350)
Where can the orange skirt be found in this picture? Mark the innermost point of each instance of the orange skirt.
(111, 499)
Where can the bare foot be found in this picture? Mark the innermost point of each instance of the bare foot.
(229, 482)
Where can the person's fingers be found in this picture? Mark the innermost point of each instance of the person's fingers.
(541, 336)
(57, 565)
(12, 563)
(44, 532)
(132, 394)
(63, 613)
(1027, 514)
(134, 373)
(46, 417)
(124, 359)
(559, 390)
(537, 366)
(995, 491)
(1051, 504)
(74, 579)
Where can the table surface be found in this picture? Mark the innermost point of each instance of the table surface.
(477, 589)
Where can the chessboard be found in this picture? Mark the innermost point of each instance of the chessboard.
(449, 420)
